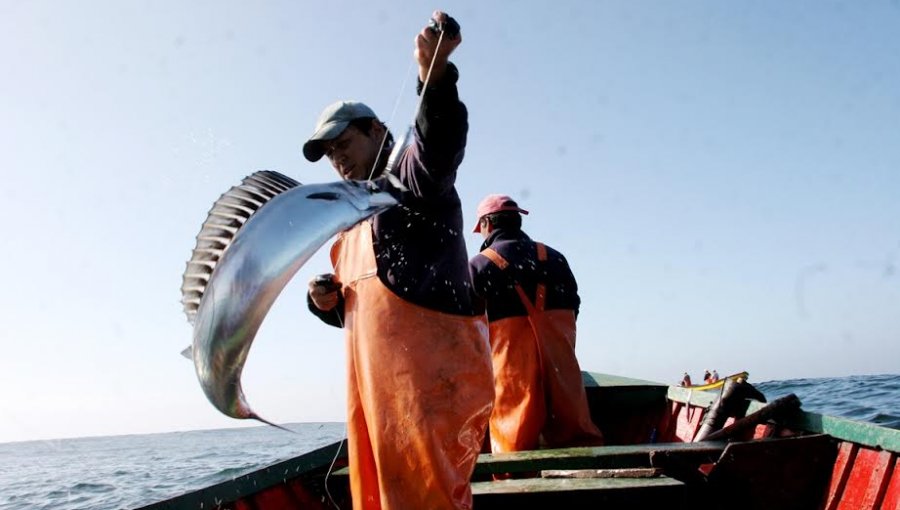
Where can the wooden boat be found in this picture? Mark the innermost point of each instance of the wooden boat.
(776, 456)
(718, 384)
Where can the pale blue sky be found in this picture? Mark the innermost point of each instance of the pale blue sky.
(722, 176)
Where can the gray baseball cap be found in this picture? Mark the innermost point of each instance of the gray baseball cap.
(332, 122)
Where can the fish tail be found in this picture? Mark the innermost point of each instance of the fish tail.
(267, 422)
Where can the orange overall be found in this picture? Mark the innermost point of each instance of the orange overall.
(539, 390)
(419, 390)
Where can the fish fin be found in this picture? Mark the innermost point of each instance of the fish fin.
(227, 215)
(188, 352)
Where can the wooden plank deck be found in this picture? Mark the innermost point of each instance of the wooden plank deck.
(606, 493)
(599, 457)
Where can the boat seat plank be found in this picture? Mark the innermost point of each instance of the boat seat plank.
(595, 457)
(599, 457)
(531, 485)
(602, 473)
(610, 493)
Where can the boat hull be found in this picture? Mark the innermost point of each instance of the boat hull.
(786, 459)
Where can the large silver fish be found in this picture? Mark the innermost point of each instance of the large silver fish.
(256, 237)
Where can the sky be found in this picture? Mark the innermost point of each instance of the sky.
(723, 178)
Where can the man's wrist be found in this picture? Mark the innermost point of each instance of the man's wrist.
(448, 76)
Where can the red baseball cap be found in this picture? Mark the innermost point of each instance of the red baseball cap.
(493, 204)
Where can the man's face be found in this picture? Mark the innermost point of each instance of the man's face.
(353, 153)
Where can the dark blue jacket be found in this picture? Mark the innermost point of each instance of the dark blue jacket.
(497, 287)
(419, 245)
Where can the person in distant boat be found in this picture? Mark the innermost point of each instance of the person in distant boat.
(686, 380)
(714, 376)
(531, 300)
(707, 377)
(419, 380)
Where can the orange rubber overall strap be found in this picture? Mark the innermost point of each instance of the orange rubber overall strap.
(540, 293)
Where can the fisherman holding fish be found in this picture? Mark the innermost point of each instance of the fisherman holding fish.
(419, 380)
(532, 303)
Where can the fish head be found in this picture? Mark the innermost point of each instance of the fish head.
(368, 197)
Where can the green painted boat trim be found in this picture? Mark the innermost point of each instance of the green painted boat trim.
(623, 393)
(597, 380)
(847, 430)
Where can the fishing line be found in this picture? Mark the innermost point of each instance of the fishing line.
(390, 119)
(338, 452)
(399, 145)
(331, 468)
(340, 444)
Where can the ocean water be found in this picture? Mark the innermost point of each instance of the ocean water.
(868, 398)
(124, 472)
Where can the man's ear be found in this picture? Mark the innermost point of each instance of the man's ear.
(378, 129)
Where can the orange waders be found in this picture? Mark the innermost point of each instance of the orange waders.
(539, 390)
(419, 389)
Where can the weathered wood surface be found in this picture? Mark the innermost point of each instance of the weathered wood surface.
(534, 485)
(599, 457)
(601, 473)
(606, 493)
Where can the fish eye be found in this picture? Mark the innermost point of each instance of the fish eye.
(324, 195)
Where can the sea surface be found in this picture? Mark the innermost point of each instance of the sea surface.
(125, 472)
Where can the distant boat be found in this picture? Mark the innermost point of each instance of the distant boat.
(719, 383)
(774, 456)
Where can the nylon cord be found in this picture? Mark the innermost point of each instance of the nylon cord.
(338, 452)
(391, 118)
(418, 105)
